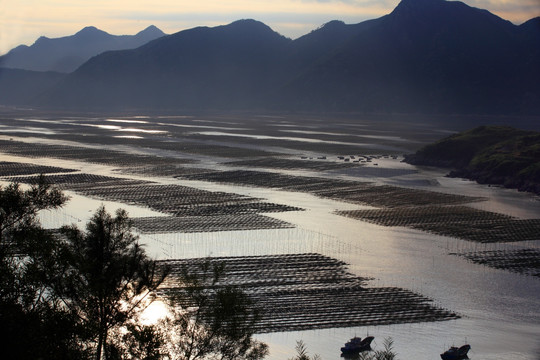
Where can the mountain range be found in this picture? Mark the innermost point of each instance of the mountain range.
(426, 56)
(67, 53)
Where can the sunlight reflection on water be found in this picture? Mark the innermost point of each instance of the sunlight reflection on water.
(128, 121)
(500, 310)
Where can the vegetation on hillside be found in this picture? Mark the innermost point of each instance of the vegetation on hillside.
(497, 155)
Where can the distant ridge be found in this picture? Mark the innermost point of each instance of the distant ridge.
(67, 53)
(227, 66)
(426, 56)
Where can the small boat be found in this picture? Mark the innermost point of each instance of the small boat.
(455, 353)
(356, 345)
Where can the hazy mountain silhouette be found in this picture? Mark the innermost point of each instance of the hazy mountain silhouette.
(20, 87)
(224, 67)
(430, 56)
(67, 53)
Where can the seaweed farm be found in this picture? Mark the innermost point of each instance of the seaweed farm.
(188, 224)
(192, 210)
(522, 261)
(330, 297)
(314, 216)
(79, 153)
(278, 163)
(354, 192)
(15, 169)
(455, 221)
(76, 181)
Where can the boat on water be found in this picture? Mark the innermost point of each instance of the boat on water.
(356, 345)
(455, 353)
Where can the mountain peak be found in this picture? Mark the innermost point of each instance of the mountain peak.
(249, 23)
(420, 3)
(333, 24)
(41, 39)
(65, 54)
(88, 30)
(250, 27)
(151, 31)
(408, 6)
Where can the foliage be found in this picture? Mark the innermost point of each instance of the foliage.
(107, 276)
(75, 294)
(387, 353)
(33, 321)
(459, 149)
(208, 321)
(488, 154)
(302, 353)
(18, 213)
(139, 341)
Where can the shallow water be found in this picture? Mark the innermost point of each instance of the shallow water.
(500, 311)
(298, 139)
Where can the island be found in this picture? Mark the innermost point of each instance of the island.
(497, 155)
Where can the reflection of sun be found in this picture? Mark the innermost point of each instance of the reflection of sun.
(154, 312)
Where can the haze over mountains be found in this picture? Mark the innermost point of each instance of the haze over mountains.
(67, 53)
(428, 56)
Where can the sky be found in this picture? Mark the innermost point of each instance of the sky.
(24, 21)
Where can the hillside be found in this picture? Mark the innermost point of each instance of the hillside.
(496, 155)
(430, 56)
(20, 87)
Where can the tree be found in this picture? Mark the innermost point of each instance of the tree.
(32, 322)
(18, 216)
(210, 321)
(388, 352)
(77, 294)
(141, 342)
(108, 278)
(302, 353)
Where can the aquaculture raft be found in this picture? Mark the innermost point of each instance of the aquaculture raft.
(309, 291)
(190, 209)
(355, 192)
(455, 221)
(8, 168)
(523, 261)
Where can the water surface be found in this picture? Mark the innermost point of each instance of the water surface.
(500, 310)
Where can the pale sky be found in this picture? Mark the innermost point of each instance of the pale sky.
(23, 21)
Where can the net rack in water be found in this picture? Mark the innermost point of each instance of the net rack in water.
(309, 291)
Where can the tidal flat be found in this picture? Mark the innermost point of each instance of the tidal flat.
(377, 246)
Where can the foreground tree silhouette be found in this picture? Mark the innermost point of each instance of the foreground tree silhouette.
(73, 294)
(31, 317)
(108, 278)
(387, 353)
(217, 326)
(302, 352)
(206, 320)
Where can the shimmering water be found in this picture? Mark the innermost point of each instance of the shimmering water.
(500, 310)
